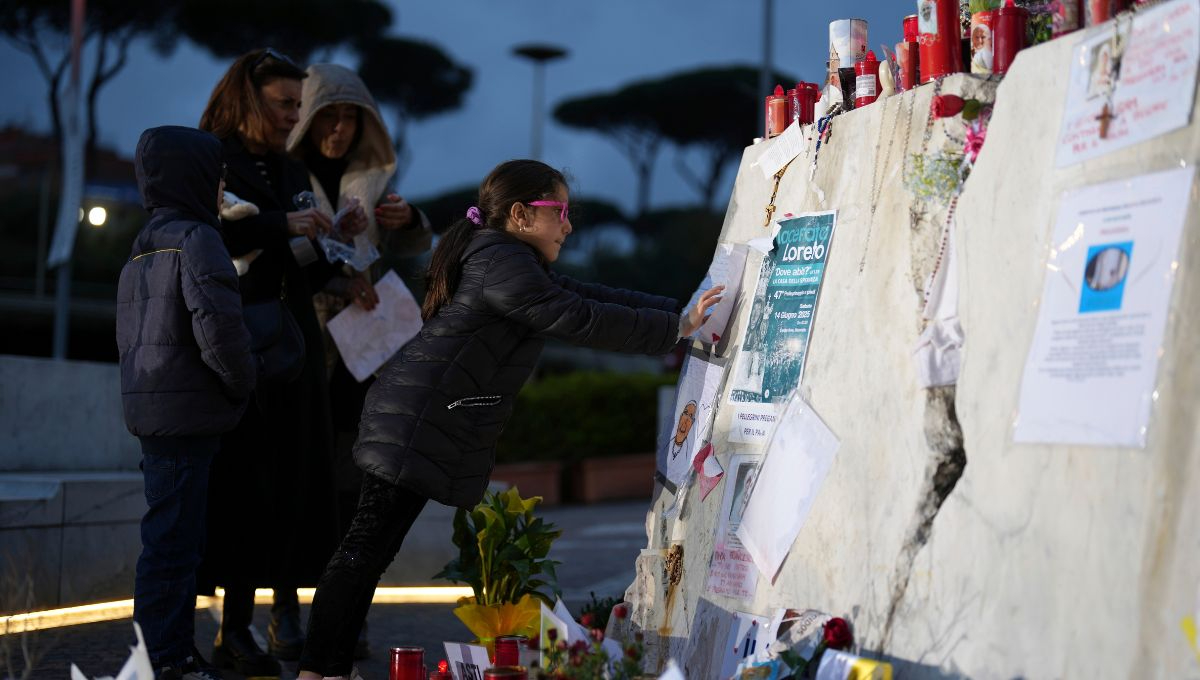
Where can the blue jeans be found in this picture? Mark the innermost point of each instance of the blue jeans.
(175, 470)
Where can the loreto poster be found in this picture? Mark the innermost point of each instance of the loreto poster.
(1089, 377)
(1143, 70)
(771, 362)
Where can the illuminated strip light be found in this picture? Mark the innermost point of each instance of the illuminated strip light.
(123, 609)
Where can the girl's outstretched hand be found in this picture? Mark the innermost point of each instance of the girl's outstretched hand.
(693, 319)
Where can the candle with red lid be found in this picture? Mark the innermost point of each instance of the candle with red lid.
(940, 38)
(1009, 37)
(776, 120)
(407, 663)
(866, 89)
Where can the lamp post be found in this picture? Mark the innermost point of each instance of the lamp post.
(539, 55)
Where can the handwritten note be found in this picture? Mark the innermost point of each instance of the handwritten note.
(782, 150)
(731, 571)
(366, 340)
(1153, 93)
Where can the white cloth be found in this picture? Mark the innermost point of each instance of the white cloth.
(938, 352)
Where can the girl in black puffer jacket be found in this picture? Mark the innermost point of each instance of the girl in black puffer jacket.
(431, 420)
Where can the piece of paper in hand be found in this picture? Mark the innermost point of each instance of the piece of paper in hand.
(366, 340)
(783, 149)
(726, 270)
(708, 470)
(798, 459)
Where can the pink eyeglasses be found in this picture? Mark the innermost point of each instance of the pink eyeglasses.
(562, 214)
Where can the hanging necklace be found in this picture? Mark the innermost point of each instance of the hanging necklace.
(774, 193)
(1116, 52)
(880, 170)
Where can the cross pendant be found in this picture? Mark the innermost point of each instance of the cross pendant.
(1106, 116)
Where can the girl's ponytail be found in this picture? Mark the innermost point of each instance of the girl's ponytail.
(445, 268)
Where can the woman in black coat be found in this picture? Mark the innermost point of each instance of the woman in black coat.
(431, 420)
(271, 519)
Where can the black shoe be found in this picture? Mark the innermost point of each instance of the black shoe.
(192, 668)
(362, 649)
(237, 650)
(285, 639)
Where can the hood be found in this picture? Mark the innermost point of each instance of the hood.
(329, 84)
(180, 168)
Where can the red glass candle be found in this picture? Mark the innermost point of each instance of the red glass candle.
(408, 663)
(776, 120)
(1100, 11)
(508, 650)
(908, 61)
(866, 88)
(1067, 17)
(1009, 35)
(940, 38)
(912, 29)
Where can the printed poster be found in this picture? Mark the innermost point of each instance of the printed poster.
(731, 571)
(1151, 95)
(1089, 377)
(771, 362)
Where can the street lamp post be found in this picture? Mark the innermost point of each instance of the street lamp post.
(539, 55)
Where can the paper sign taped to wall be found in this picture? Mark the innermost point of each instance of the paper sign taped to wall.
(1153, 89)
(695, 398)
(752, 423)
(798, 459)
(1089, 377)
(731, 570)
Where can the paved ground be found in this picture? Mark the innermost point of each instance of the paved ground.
(598, 549)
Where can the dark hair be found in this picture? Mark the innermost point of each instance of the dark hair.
(511, 182)
(235, 105)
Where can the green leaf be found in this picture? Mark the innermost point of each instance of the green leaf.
(971, 109)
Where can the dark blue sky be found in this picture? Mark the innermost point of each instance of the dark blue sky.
(611, 42)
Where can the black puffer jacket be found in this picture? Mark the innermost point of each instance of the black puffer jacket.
(186, 367)
(432, 419)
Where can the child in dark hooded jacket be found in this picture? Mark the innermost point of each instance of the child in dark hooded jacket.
(186, 375)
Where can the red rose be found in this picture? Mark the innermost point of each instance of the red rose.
(620, 611)
(837, 634)
(587, 620)
(946, 105)
(552, 634)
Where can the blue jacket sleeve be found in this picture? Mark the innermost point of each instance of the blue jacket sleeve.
(617, 296)
(516, 286)
(210, 291)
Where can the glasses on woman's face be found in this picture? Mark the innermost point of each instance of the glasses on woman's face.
(562, 213)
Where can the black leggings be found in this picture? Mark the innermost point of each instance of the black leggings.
(385, 514)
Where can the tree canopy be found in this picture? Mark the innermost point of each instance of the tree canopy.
(298, 28)
(415, 78)
(716, 110)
